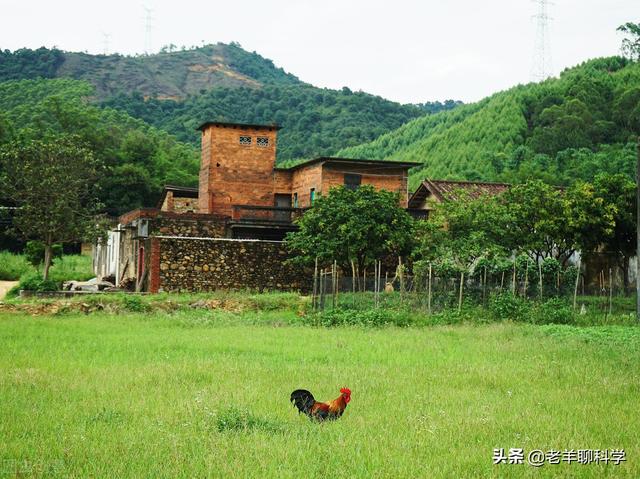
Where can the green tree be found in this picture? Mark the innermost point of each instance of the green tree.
(52, 181)
(619, 191)
(361, 225)
(462, 232)
(631, 44)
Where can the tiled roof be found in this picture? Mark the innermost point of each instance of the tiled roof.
(449, 190)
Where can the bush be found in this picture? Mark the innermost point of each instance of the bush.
(33, 282)
(553, 311)
(352, 317)
(135, 304)
(507, 306)
(34, 252)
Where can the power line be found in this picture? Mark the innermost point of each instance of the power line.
(541, 67)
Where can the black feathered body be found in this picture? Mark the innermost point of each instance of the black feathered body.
(304, 401)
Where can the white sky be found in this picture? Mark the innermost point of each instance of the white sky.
(404, 50)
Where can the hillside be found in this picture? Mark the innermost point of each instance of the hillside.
(173, 75)
(314, 121)
(560, 130)
(139, 157)
(178, 90)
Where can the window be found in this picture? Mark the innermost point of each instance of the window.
(295, 200)
(245, 140)
(312, 195)
(262, 141)
(352, 182)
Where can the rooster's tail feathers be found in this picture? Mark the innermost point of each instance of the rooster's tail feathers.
(303, 400)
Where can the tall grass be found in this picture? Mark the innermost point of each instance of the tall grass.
(69, 267)
(141, 395)
(12, 266)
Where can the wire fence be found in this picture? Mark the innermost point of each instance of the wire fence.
(434, 293)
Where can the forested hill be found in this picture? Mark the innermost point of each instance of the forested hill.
(140, 158)
(168, 74)
(178, 90)
(314, 121)
(563, 129)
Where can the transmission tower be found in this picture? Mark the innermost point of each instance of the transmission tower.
(105, 39)
(148, 18)
(541, 68)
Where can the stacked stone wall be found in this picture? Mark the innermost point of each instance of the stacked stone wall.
(206, 264)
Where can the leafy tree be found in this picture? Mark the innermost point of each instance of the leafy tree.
(619, 191)
(52, 181)
(631, 44)
(34, 252)
(361, 225)
(461, 233)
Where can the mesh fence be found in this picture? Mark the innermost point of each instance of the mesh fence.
(436, 293)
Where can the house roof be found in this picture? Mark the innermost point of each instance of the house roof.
(178, 191)
(449, 189)
(238, 125)
(352, 161)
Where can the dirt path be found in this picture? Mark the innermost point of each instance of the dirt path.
(6, 286)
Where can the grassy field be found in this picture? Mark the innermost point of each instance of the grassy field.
(13, 266)
(205, 394)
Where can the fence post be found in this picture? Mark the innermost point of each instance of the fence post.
(375, 283)
(334, 283)
(460, 297)
(484, 286)
(575, 291)
(526, 279)
(314, 298)
(502, 282)
(429, 294)
(540, 278)
(513, 281)
(610, 293)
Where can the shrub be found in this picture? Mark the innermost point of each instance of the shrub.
(507, 306)
(34, 252)
(553, 311)
(33, 282)
(369, 317)
(135, 304)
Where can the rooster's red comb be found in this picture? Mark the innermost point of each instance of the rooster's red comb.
(345, 391)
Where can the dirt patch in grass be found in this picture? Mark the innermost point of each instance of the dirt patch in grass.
(6, 286)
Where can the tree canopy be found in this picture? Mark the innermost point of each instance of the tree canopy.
(53, 182)
(361, 225)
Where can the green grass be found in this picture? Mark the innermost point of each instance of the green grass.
(13, 266)
(199, 393)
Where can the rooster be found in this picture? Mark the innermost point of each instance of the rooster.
(320, 411)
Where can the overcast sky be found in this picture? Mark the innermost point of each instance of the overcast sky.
(404, 50)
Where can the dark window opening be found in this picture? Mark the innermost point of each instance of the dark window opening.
(295, 200)
(262, 141)
(352, 182)
(245, 140)
(312, 195)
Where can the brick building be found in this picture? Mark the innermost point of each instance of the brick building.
(228, 232)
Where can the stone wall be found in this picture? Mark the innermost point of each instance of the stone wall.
(203, 264)
(192, 225)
